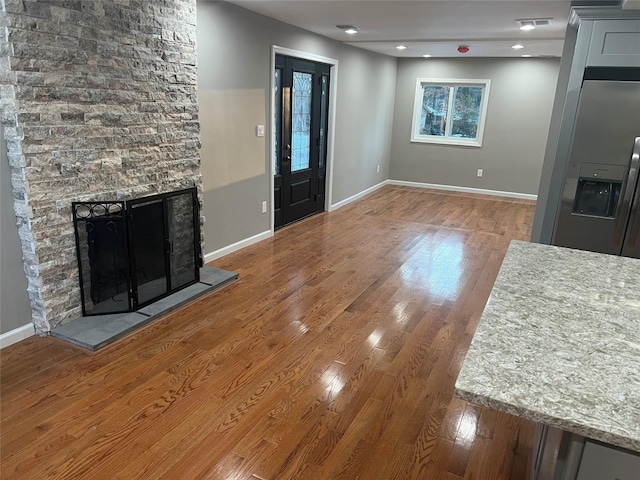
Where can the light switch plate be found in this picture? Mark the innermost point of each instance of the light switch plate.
(260, 131)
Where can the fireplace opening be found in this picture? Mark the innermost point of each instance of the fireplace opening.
(132, 253)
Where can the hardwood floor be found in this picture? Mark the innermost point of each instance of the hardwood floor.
(334, 356)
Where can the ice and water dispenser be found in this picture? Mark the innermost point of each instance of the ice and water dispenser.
(598, 189)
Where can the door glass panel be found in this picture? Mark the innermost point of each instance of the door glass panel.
(323, 120)
(277, 120)
(148, 249)
(301, 120)
(180, 227)
(101, 237)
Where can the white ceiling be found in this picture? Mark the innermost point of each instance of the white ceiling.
(435, 27)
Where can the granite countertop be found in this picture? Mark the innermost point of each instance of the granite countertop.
(559, 343)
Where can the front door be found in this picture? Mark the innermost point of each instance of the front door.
(300, 138)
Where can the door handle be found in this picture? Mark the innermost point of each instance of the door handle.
(629, 189)
(634, 223)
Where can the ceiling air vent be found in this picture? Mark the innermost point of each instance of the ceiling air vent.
(530, 23)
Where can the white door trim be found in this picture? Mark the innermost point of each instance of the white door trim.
(333, 95)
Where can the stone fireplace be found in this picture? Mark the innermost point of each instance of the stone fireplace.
(99, 101)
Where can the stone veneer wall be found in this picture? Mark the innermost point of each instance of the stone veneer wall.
(99, 102)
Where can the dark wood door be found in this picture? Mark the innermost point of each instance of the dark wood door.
(300, 138)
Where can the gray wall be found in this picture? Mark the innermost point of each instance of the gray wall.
(234, 73)
(517, 123)
(15, 310)
(552, 176)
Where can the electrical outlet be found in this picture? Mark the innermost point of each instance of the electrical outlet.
(264, 207)
(480, 172)
(378, 169)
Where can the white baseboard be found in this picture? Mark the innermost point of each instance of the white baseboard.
(17, 334)
(355, 197)
(454, 188)
(208, 257)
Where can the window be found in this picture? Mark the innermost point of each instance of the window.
(450, 111)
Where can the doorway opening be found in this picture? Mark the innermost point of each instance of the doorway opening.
(301, 136)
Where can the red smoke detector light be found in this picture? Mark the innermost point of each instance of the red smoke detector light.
(463, 49)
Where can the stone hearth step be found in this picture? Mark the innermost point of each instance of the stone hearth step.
(98, 331)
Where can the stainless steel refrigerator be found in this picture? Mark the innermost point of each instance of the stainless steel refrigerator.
(599, 209)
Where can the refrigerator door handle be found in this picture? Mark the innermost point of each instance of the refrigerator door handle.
(629, 189)
(634, 221)
(634, 225)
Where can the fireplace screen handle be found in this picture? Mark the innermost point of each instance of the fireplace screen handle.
(169, 244)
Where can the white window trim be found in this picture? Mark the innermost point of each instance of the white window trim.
(417, 137)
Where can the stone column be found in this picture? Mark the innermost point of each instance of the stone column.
(99, 102)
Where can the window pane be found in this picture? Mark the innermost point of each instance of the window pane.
(466, 111)
(435, 101)
(301, 120)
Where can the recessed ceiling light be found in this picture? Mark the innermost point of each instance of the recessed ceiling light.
(350, 29)
(517, 46)
(529, 24)
(426, 56)
(401, 47)
(525, 56)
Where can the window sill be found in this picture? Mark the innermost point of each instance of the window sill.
(447, 141)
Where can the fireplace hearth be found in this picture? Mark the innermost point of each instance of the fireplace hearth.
(133, 253)
(97, 331)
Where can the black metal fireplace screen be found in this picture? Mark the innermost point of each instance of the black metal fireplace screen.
(133, 253)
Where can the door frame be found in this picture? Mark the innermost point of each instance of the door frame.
(333, 94)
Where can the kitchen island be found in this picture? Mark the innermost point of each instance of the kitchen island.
(559, 343)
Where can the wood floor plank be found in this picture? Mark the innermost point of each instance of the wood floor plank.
(334, 356)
